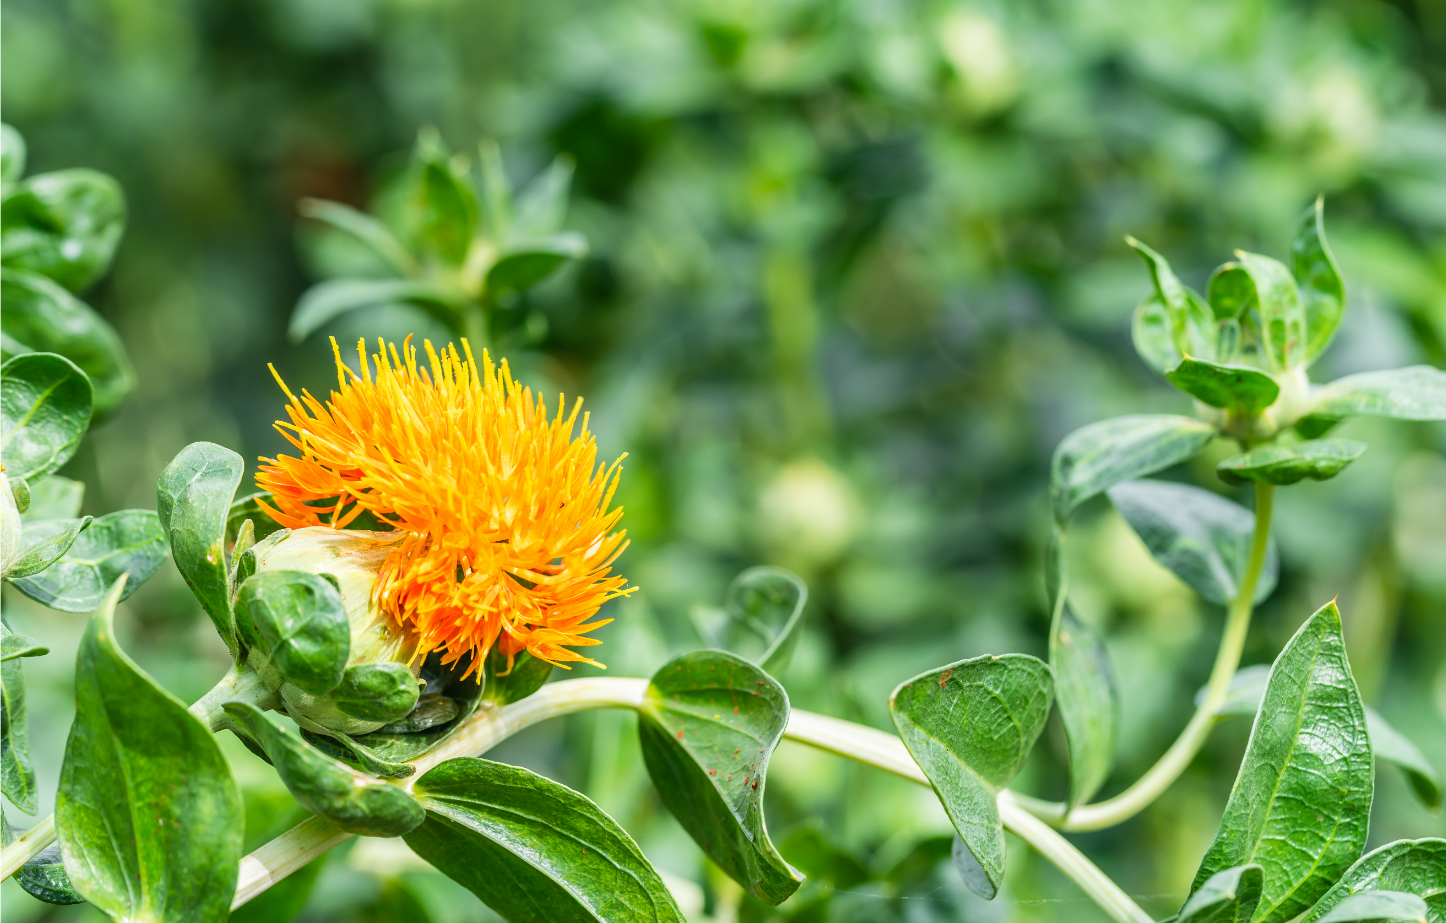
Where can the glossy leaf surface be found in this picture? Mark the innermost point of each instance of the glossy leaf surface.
(297, 622)
(193, 499)
(46, 403)
(1203, 538)
(533, 850)
(54, 497)
(970, 726)
(64, 225)
(1282, 315)
(1378, 907)
(324, 786)
(1322, 291)
(1227, 897)
(1414, 393)
(708, 725)
(1318, 459)
(1414, 866)
(376, 691)
(44, 878)
(42, 542)
(1301, 803)
(17, 775)
(128, 542)
(506, 684)
(149, 817)
(1095, 458)
(16, 645)
(1240, 388)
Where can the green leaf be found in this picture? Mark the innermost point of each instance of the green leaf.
(46, 403)
(246, 508)
(17, 645)
(760, 618)
(1150, 331)
(42, 543)
(1192, 326)
(55, 497)
(346, 748)
(1095, 458)
(12, 155)
(1239, 388)
(325, 787)
(376, 691)
(970, 727)
(1302, 801)
(17, 776)
(64, 225)
(1414, 393)
(708, 725)
(506, 684)
(44, 878)
(1199, 535)
(1414, 866)
(542, 206)
(1390, 744)
(1228, 897)
(432, 710)
(1378, 907)
(1282, 316)
(439, 208)
(1242, 698)
(296, 622)
(1321, 288)
(1317, 459)
(149, 817)
(1231, 292)
(364, 228)
(328, 300)
(127, 542)
(528, 264)
(193, 498)
(1088, 700)
(533, 850)
(45, 318)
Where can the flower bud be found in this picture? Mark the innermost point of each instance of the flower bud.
(9, 524)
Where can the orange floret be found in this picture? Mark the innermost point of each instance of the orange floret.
(506, 534)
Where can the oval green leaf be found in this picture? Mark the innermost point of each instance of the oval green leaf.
(1318, 459)
(64, 225)
(129, 542)
(1199, 535)
(1192, 326)
(1282, 316)
(376, 691)
(1227, 897)
(17, 775)
(970, 726)
(1150, 332)
(533, 850)
(45, 318)
(16, 645)
(325, 787)
(193, 498)
(149, 818)
(1414, 866)
(507, 682)
(1231, 293)
(1302, 801)
(43, 542)
(1095, 458)
(1414, 393)
(708, 725)
(296, 622)
(1321, 288)
(46, 405)
(1239, 388)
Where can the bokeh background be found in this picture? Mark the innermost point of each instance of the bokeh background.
(856, 267)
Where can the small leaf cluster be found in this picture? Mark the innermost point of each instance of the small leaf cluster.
(449, 238)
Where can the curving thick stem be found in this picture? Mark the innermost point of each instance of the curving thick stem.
(311, 838)
(1175, 760)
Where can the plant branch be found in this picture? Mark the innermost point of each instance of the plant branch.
(27, 846)
(1175, 760)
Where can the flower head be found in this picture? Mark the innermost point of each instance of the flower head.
(501, 512)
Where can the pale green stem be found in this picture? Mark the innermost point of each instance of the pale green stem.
(305, 842)
(239, 684)
(1176, 759)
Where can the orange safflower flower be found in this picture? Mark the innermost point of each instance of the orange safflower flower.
(505, 536)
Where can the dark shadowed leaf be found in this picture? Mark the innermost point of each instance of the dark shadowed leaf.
(328, 300)
(1378, 907)
(46, 404)
(193, 498)
(1239, 388)
(533, 850)
(1414, 866)
(1414, 393)
(1282, 315)
(64, 225)
(1318, 459)
(17, 775)
(1227, 897)
(149, 817)
(507, 683)
(324, 786)
(1302, 800)
(1321, 289)
(42, 542)
(124, 542)
(295, 621)
(1200, 536)
(44, 878)
(349, 750)
(708, 725)
(45, 318)
(970, 727)
(1099, 456)
(245, 508)
(531, 262)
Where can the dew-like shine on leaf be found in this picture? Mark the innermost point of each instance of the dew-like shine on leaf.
(128, 542)
(1414, 866)
(45, 405)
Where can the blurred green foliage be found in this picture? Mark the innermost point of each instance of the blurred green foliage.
(855, 267)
